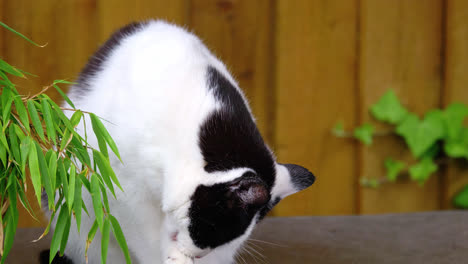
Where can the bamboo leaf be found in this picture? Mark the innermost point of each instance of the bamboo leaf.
(62, 220)
(100, 129)
(47, 114)
(63, 177)
(21, 110)
(105, 240)
(106, 171)
(104, 168)
(11, 216)
(25, 149)
(15, 147)
(3, 137)
(7, 109)
(35, 172)
(45, 177)
(3, 156)
(64, 96)
(91, 234)
(77, 204)
(71, 187)
(20, 35)
(96, 197)
(119, 236)
(4, 66)
(36, 120)
(53, 169)
(64, 239)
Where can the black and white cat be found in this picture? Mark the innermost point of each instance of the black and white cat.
(197, 175)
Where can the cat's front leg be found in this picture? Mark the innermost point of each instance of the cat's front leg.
(177, 257)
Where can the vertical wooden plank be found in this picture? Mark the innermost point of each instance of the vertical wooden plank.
(68, 29)
(114, 14)
(239, 32)
(315, 87)
(400, 49)
(456, 80)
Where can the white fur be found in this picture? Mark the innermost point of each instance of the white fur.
(153, 91)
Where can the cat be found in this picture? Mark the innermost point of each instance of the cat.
(196, 173)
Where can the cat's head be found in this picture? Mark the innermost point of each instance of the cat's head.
(246, 181)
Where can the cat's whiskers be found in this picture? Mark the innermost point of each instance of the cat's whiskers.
(256, 255)
(266, 242)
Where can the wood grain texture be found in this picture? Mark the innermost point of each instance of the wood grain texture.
(315, 87)
(400, 49)
(456, 80)
(113, 14)
(240, 33)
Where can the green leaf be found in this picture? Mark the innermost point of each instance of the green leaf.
(96, 197)
(44, 176)
(53, 169)
(457, 147)
(364, 133)
(14, 146)
(64, 240)
(3, 155)
(460, 200)
(67, 138)
(36, 120)
(105, 240)
(64, 96)
(119, 236)
(21, 110)
(11, 216)
(60, 226)
(394, 167)
(47, 114)
(4, 66)
(454, 115)
(10, 231)
(19, 34)
(77, 205)
(422, 170)
(338, 129)
(63, 177)
(7, 109)
(3, 137)
(71, 187)
(105, 169)
(91, 234)
(25, 148)
(389, 109)
(421, 135)
(35, 172)
(101, 131)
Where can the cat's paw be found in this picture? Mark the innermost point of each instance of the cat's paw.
(177, 257)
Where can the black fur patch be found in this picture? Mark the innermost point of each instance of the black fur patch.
(94, 64)
(267, 208)
(44, 258)
(300, 176)
(220, 213)
(229, 139)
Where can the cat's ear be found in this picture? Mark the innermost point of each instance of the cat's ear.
(291, 178)
(249, 191)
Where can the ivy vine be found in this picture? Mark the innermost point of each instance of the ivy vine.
(432, 140)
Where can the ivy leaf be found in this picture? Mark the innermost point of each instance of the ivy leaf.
(454, 115)
(394, 167)
(460, 200)
(364, 133)
(457, 147)
(338, 129)
(421, 135)
(389, 109)
(422, 170)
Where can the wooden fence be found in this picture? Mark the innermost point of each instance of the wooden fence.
(304, 64)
